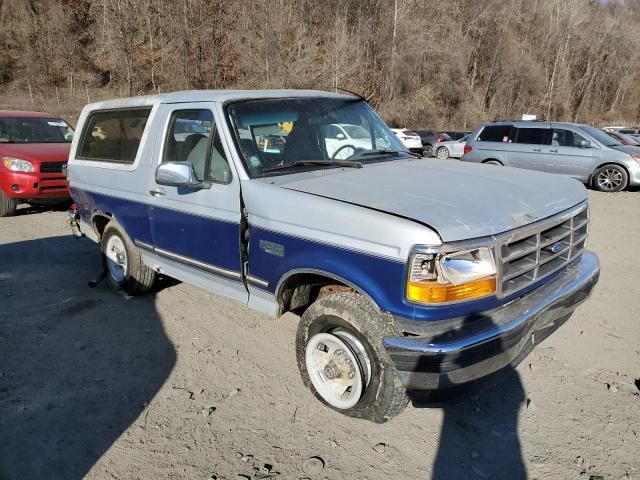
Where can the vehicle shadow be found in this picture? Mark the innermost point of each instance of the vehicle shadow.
(77, 365)
(479, 433)
(31, 209)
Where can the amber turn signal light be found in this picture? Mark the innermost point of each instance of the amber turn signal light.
(433, 292)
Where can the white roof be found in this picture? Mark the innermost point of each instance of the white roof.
(208, 96)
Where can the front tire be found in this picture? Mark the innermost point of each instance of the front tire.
(428, 151)
(123, 263)
(342, 360)
(7, 205)
(442, 153)
(611, 178)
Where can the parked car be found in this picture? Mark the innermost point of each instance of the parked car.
(456, 135)
(579, 151)
(630, 131)
(410, 275)
(410, 139)
(342, 140)
(430, 139)
(624, 139)
(33, 149)
(451, 149)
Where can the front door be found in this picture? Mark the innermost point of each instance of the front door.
(196, 232)
(567, 155)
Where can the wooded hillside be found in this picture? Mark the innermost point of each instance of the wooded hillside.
(423, 63)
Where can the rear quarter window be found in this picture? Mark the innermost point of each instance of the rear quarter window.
(496, 133)
(113, 135)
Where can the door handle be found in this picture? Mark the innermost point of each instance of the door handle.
(157, 192)
(537, 150)
(554, 150)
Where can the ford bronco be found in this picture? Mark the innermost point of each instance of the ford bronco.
(408, 274)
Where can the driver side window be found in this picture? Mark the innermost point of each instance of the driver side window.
(193, 138)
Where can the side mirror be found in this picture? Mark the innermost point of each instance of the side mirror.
(584, 144)
(178, 174)
(340, 136)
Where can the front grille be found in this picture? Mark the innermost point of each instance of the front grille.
(534, 252)
(51, 167)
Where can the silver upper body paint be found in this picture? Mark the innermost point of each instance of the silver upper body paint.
(383, 208)
(460, 201)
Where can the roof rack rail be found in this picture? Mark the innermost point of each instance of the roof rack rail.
(516, 120)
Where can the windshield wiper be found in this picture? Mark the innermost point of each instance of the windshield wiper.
(322, 163)
(384, 151)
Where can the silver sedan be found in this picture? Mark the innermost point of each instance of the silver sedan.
(451, 149)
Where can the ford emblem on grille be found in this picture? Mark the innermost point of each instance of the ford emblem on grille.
(555, 248)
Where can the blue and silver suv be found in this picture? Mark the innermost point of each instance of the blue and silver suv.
(408, 274)
(579, 151)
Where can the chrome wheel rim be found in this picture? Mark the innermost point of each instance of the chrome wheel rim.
(116, 255)
(339, 367)
(610, 179)
(442, 153)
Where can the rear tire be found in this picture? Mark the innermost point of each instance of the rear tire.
(442, 153)
(123, 263)
(351, 319)
(7, 205)
(610, 178)
(494, 162)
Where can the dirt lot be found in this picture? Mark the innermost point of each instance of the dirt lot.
(184, 384)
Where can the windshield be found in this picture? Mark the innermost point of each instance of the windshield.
(274, 134)
(34, 130)
(599, 135)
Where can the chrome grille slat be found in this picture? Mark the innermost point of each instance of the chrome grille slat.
(526, 255)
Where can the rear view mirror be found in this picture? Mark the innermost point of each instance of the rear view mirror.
(178, 174)
(340, 136)
(584, 144)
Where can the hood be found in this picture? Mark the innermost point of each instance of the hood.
(459, 200)
(36, 152)
(630, 149)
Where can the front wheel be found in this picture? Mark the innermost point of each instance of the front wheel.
(442, 153)
(611, 178)
(123, 263)
(342, 360)
(7, 205)
(428, 151)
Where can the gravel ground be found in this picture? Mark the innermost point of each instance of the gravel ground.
(183, 384)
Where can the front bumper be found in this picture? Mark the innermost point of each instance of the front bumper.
(483, 343)
(33, 185)
(634, 174)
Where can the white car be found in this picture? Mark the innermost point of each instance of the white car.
(340, 136)
(410, 139)
(451, 149)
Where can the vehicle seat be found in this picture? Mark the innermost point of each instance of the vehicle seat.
(302, 144)
(219, 169)
(194, 151)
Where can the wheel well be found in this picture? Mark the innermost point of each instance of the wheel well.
(492, 160)
(100, 222)
(300, 290)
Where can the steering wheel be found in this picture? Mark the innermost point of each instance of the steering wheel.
(335, 154)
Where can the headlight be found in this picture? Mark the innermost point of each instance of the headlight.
(17, 164)
(452, 277)
(635, 158)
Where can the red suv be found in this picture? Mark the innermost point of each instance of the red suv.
(33, 149)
